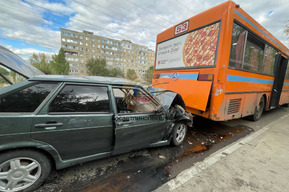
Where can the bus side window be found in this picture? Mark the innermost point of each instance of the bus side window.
(269, 60)
(254, 54)
(237, 47)
(287, 72)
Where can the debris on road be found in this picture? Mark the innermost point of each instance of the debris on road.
(162, 157)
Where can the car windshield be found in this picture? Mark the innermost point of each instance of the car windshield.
(9, 77)
(163, 96)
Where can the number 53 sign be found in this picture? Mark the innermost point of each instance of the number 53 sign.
(182, 27)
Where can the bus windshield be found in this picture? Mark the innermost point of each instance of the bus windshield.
(191, 50)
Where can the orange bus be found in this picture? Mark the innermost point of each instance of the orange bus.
(224, 64)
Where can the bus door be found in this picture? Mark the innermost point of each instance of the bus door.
(280, 71)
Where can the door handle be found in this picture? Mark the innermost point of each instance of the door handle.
(124, 122)
(44, 125)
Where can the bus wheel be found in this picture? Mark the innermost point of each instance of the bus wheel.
(258, 110)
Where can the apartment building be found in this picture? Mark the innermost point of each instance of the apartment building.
(79, 47)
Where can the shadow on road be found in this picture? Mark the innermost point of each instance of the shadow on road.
(147, 169)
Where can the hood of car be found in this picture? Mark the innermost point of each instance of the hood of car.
(165, 97)
(14, 62)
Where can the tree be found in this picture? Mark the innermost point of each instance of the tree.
(41, 62)
(131, 74)
(149, 75)
(59, 64)
(98, 67)
(4, 72)
(115, 72)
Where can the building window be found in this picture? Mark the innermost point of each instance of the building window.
(87, 38)
(80, 37)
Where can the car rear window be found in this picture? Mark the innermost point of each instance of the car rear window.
(27, 99)
(81, 98)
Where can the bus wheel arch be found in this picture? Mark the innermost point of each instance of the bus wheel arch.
(259, 108)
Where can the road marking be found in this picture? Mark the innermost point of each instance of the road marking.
(199, 167)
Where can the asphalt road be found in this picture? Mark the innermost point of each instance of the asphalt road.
(147, 169)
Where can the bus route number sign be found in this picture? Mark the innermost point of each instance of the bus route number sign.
(182, 27)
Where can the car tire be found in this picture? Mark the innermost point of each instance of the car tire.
(179, 133)
(23, 170)
(258, 110)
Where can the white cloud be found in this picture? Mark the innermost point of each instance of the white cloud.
(57, 7)
(135, 20)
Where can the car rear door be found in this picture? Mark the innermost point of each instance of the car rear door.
(76, 121)
(138, 121)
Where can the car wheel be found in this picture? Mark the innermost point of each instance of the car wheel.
(179, 133)
(23, 170)
(258, 110)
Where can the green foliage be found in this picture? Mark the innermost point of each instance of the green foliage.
(115, 72)
(98, 67)
(59, 64)
(41, 62)
(5, 73)
(149, 75)
(131, 74)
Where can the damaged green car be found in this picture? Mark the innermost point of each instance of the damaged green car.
(53, 122)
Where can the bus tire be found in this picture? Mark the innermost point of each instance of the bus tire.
(258, 110)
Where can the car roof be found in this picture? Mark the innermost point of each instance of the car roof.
(17, 64)
(85, 79)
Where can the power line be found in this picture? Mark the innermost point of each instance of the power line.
(186, 7)
(87, 23)
(58, 23)
(108, 14)
(120, 6)
(150, 12)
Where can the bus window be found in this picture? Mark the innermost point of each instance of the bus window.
(254, 54)
(287, 72)
(237, 50)
(269, 60)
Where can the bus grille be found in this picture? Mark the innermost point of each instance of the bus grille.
(234, 106)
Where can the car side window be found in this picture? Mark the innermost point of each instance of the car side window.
(81, 98)
(27, 99)
(134, 100)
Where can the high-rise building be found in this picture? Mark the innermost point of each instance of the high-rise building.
(79, 47)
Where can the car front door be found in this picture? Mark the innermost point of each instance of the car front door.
(139, 121)
(76, 121)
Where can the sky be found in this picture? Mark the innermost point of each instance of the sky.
(29, 26)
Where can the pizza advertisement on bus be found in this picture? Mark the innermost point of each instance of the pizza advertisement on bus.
(193, 49)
